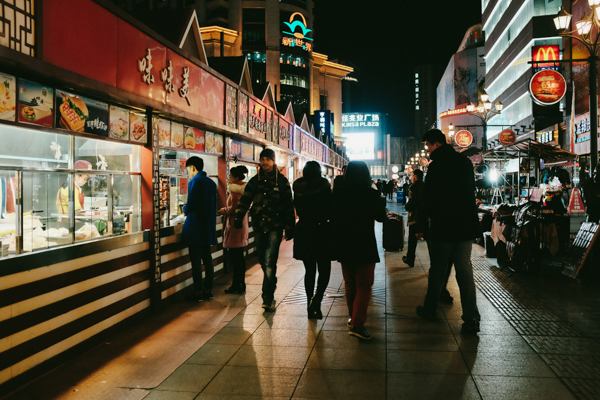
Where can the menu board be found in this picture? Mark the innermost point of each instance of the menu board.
(164, 192)
(247, 151)
(194, 139)
(209, 142)
(176, 135)
(8, 97)
(119, 122)
(183, 186)
(218, 147)
(80, 114)
(164, 133)
(36, 103)
(138, 127)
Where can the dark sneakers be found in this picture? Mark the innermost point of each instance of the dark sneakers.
(235, 290)
(194, 297)
(360, 333)
(405, 260)
(425, 315)
(268, 305)
(207, 295)
(470, 327)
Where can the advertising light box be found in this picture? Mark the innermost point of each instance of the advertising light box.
(360, 146)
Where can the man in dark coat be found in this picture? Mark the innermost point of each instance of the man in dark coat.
(405, 188)
(449, 204)
(415, 201)
(200, 227)
(270, 195)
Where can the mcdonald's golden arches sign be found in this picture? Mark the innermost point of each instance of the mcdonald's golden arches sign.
(545, 53)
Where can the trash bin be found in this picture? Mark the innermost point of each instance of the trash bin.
(399, 196)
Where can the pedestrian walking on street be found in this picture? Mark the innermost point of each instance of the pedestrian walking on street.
(449, 204)
(200, 227)
(338, 181)
(356, 208)
(391, 185)
(236, 239)
(413, 206)
(270, 195)
(405, 187)
(312, 200)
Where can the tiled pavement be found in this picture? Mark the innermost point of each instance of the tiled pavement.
(228, 349)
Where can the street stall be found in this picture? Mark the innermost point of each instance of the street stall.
(529, 182)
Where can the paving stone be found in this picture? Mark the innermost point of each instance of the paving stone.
(563, 345)
(584, 389)
(546, 328)
(570, 366)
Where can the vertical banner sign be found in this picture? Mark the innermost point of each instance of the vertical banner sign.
(572, 138)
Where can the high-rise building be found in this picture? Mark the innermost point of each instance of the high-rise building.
(425, 105)
(275, 36)
(511, 29)
(461, 84)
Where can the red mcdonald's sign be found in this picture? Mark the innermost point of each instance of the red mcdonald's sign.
(545, 53)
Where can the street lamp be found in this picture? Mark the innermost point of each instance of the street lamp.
(588, 33)
(451, 130)
(485, 110)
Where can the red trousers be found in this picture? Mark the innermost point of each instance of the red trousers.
(359, 280)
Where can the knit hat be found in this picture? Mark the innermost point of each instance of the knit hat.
(268, 153)
(82, 164)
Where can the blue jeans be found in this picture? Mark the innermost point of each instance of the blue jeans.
(443, 255)
(267, 247)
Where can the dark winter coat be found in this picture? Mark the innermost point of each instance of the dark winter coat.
(449, 197)
(312, 235)
(354, 215)
(415, 201)
(272, 204)
(200, 226)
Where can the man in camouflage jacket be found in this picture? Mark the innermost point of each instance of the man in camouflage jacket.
(272, 212)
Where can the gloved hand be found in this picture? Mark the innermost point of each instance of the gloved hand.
(238, 224)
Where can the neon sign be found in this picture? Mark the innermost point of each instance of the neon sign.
(360, 120)
(457, 111)
(545, 53)
(298, 31)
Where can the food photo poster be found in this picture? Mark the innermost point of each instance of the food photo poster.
(81, 114)
(8, 97)
(36, 103)
(119, 123)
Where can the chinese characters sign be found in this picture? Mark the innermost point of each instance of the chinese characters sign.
(547, 87)
(294, 33)
(357, 120)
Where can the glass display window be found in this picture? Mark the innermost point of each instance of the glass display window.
(127, 207)
(46, 210)
(104, 155)
(9, 192)
(22, 147)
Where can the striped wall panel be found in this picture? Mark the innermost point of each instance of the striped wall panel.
(48, 310)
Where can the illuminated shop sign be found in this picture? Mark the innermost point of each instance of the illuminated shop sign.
(545, 53)
(295, 35)
(457, 111)
(323, 122)
(547, 87)
(546, 137)
(360, 146)
(358, 120)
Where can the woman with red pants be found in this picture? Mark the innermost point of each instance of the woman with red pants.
(357, 205)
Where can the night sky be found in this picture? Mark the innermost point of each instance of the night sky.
(386, 39)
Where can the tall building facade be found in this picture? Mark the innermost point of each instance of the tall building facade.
(511, 29)
(425, 106)
(276, 37)
(462, 83)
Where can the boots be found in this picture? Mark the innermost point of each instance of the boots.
(314, 309)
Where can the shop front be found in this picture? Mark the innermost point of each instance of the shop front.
(93, 180)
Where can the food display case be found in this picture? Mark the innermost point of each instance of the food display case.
(177, 143)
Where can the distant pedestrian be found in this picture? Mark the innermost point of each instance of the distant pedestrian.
(380, 186)
(413, 206)
(449, 204)
(390, 189)
(200, 227)
(236, 239)
(356, 208)
(312, 235)
(405, 187)
(270, 195)
(338, 181)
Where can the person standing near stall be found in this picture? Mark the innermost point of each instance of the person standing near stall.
(312, 200)
(415, 201)
(80, 179)
(449, 205)
(356, 208)
(236, 239)
(200, 227)
(270, 195)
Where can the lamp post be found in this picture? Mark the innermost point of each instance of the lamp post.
(485, 110)
(588, 33)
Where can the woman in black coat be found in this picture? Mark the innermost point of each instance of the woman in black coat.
(312, 200)
(356, 208)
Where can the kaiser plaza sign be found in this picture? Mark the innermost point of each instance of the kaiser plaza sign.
(360, 120)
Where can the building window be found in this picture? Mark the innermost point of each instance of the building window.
(416, 81)
(293, 60)
(416, 107)
(417, 95)
(416, 75)
(417, 89)
(294, 80)
(257, 57)
(253, 26)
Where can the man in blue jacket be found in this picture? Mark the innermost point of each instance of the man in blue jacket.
(450, 211)
(200, 227)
